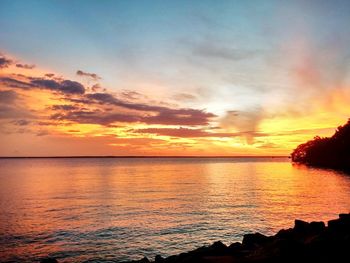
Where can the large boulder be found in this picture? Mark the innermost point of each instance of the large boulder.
(158, 259)
(254, 240)
(317, 227)
(301, 226)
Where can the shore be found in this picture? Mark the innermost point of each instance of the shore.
(305, 242)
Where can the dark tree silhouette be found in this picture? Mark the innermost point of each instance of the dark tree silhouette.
(331, 152)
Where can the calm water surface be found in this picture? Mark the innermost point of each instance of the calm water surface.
(111, 210)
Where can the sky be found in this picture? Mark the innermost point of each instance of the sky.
(223, 78)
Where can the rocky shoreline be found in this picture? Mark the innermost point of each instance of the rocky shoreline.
(305, 242)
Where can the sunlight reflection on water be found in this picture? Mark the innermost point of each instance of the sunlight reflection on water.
(122, 209)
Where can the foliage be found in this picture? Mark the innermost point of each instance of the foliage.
(332, 152)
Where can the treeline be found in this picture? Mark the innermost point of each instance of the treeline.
(329, 152)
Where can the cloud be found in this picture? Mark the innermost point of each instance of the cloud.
(22, 122)
(25, 66)
(184, 97)
(246, 122)
(96, 87)
(317, 131)
(8, 96)
(269, 145)
(183, 132)
(49, 75)
(10, 108)
(94, 76)
(161, 114)
(42, 133)
(14, 83)
(65, 107)
(210, 49)
(5, 62)
(106, 98)
(64, 86)
(91, 107)
(13, 112)
(94, 117)
(222, 53)
(191, 117)
(195, 133)
(131, 95)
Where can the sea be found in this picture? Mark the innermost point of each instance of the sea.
(121, 209)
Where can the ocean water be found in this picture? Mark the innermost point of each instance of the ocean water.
(118, 209)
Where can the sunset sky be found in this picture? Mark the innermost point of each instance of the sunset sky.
(171, 77)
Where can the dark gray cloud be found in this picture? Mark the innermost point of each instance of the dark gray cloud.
(25, 66)
(49, 75)
(14, 83)
(162, 115)
(64, 86)
(106, 117)
(94, 76)
(5, 62)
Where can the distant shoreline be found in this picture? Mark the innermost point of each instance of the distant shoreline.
(141, 156)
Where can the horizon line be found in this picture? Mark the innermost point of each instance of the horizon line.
(147, 156)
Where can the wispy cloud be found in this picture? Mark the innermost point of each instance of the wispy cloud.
(93, 76)
(25, 66)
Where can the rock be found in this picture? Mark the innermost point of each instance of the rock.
(252, 240)
(217, 248)
(143, 260)
(235, 248)
(301, 226)
(49, 260)
(306, 242)
(158, 258)
(318, 243)
(344, 217)
(289, 247)
(285, 233)
(317, 227)
(339, 225)
(218, 245)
